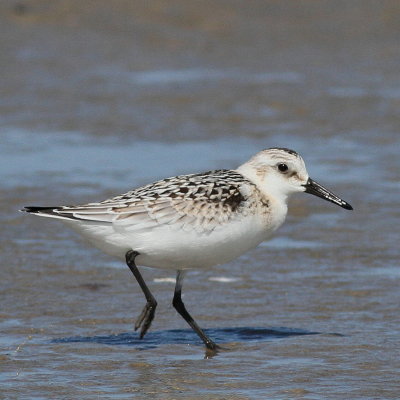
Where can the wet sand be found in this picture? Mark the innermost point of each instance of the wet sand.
(100, 97)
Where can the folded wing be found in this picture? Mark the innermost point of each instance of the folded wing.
(200, 202)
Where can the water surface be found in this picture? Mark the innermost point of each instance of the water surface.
(97, 100)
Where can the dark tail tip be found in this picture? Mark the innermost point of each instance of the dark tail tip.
(34, 210)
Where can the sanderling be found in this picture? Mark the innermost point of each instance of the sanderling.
(193, 221)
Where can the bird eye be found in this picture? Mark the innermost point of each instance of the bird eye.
(283, 167)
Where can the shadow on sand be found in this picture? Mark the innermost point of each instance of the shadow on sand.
(184, 336)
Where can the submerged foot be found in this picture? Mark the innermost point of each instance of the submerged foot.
(145, 318)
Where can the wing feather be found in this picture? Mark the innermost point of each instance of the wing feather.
(197, 202)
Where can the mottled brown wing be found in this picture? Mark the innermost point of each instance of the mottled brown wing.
(185, 213)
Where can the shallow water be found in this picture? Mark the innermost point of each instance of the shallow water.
(96, 104)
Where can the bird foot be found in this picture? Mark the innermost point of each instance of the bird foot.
(145, 318)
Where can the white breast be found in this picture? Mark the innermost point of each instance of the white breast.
(165, 246)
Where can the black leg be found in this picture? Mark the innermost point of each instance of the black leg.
(146, 317)
(180, 307)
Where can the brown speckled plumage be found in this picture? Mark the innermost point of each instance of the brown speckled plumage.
(196, 201)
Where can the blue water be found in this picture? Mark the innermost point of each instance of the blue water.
(100, 97)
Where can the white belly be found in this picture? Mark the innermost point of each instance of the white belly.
(166, 247)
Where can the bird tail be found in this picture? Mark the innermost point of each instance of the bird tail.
(50, 212)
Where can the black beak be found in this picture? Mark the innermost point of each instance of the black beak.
(316, 189)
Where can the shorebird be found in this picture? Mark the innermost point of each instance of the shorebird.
(193, 221)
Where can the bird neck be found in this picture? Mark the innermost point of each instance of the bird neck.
(265, 184)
